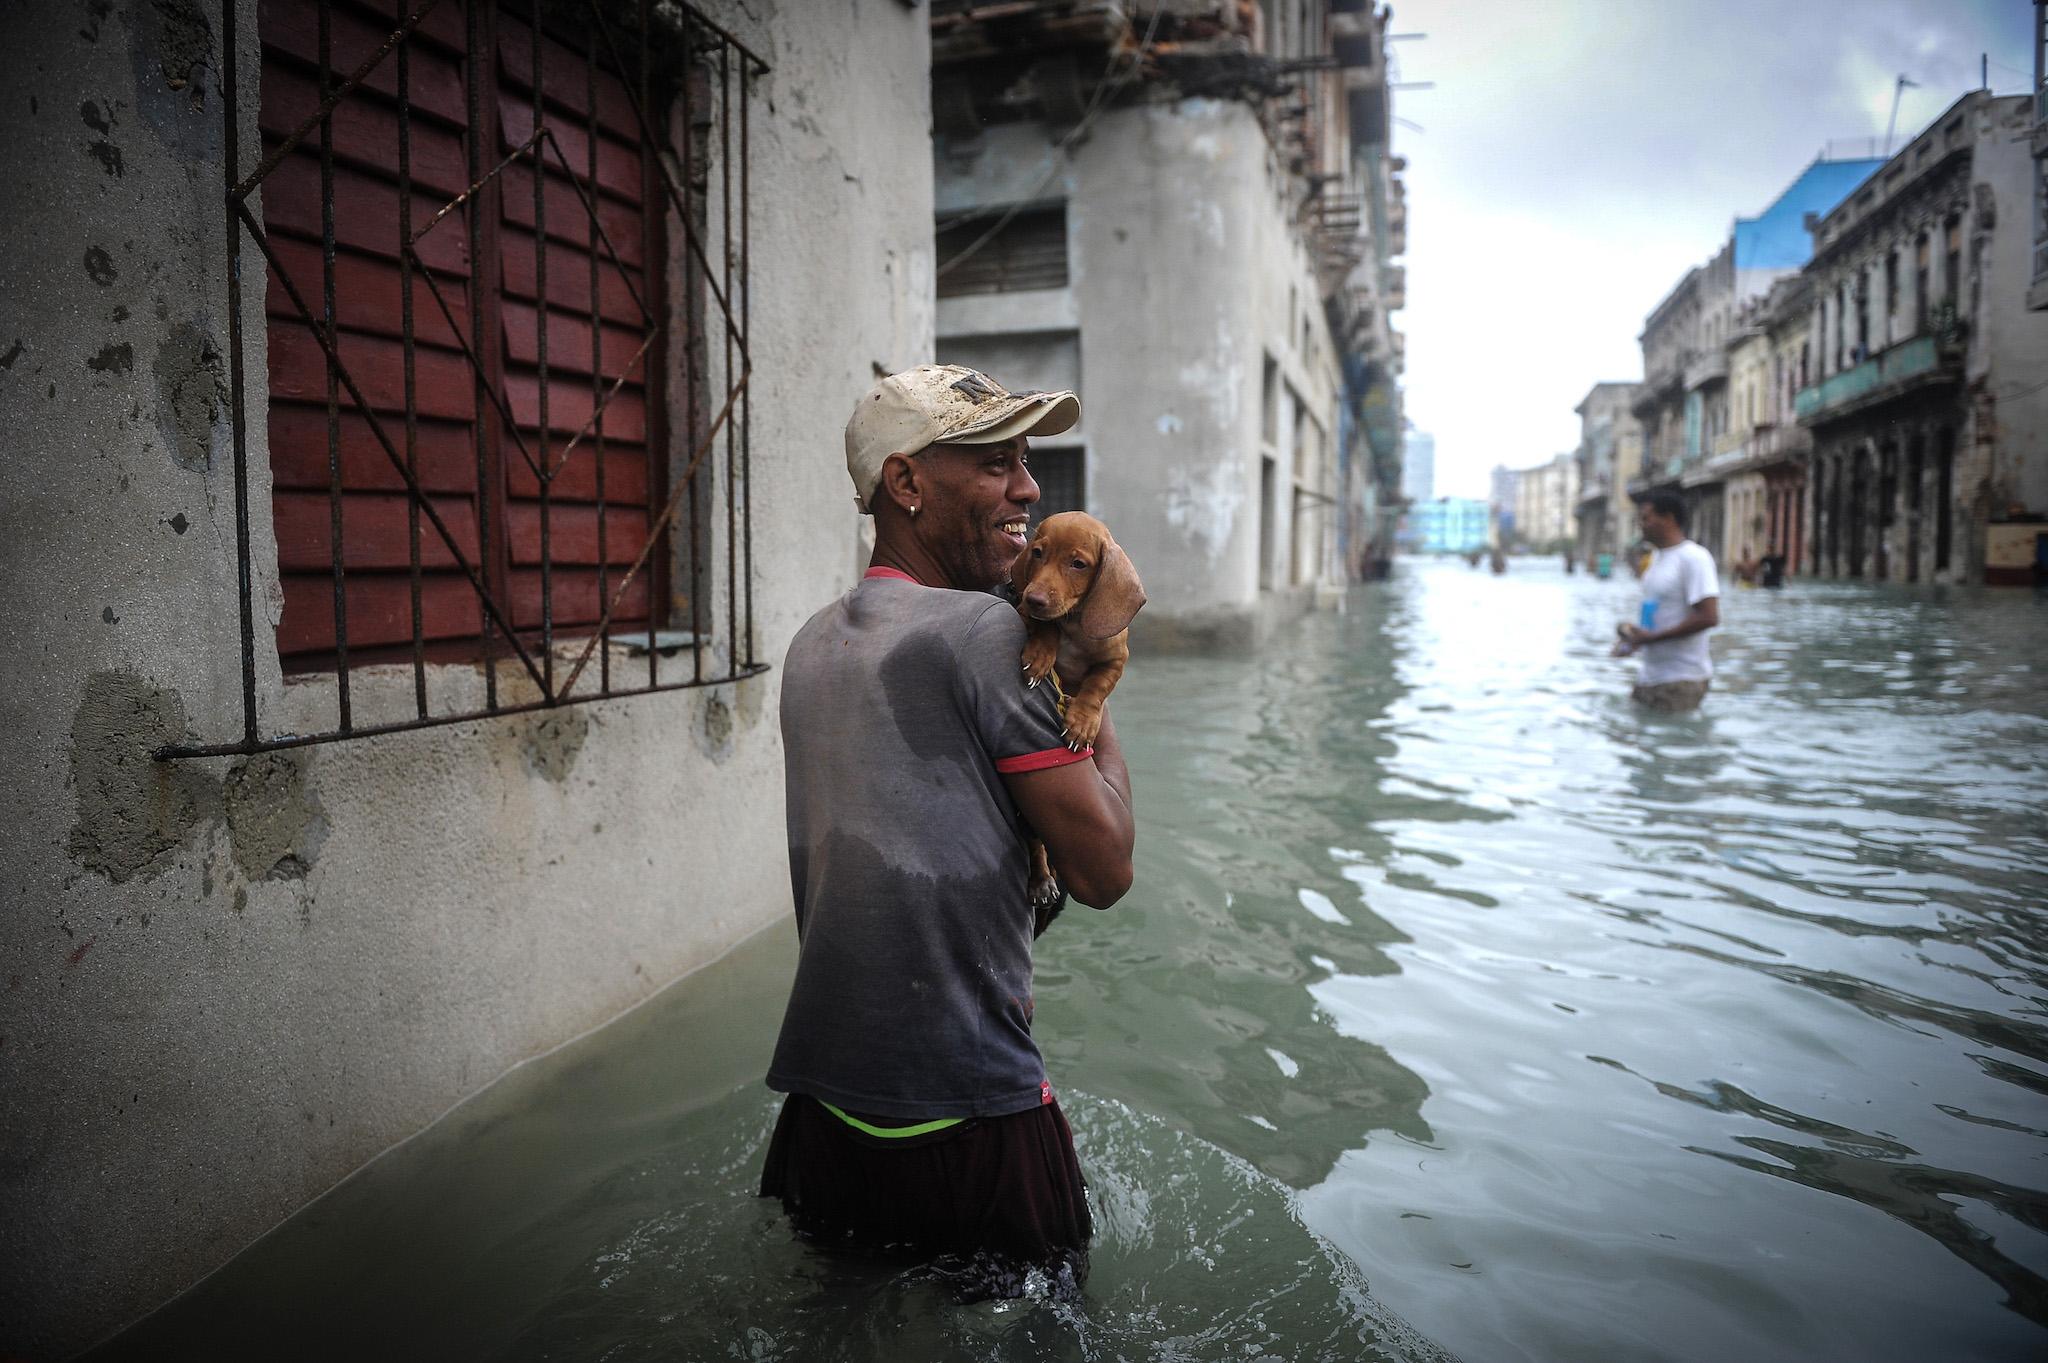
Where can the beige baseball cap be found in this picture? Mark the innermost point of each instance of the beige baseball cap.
(943, 404)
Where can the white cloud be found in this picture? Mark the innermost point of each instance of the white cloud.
(1581, 155)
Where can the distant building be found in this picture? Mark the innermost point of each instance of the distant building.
(1446, 525)
(1926, 405)
(1684, 403)
(1503, 489)
(1610, 452)
(2037, 292)
(1210, 267)
(1418, 466)
(1545, 500)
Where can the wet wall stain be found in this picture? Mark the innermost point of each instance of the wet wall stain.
(177, 64)
(181, 36)
(551, 742)
(96, 12)
(132, 809)
(191, 395)
(113, 359)
(108, 155)
(275, 825)
(103, 148)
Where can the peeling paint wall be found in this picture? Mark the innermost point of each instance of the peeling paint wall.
(1186, 276)
(225, 984)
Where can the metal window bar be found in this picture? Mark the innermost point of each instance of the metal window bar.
(680, 56)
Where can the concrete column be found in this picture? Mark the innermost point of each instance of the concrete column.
(1909, 287)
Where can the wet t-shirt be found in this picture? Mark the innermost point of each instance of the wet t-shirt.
(1677, 579)
(902, 708)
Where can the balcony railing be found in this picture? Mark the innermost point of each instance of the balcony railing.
(1705, 369)
(1874, 379)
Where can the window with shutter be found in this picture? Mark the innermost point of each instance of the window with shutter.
(469, 214)
(473, 427)
(1028, 251)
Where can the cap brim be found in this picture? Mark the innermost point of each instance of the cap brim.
(1031, 414)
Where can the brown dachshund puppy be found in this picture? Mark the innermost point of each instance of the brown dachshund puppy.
(1077, 592)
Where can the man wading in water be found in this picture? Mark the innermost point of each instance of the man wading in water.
(919, 1117)
(1681, 602)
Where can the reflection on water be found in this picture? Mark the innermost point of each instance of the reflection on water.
(1454, 991)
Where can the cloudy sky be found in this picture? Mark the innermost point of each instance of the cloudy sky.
(1576, 157)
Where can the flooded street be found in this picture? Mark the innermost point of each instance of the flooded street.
(1459, 1008)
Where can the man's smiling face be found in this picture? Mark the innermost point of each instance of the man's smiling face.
(972, 521)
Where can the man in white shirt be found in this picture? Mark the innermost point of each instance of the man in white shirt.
(1681, 602)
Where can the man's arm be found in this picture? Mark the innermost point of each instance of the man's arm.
(1082, 810)
(1705, 614)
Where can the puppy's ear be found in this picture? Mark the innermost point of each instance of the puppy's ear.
(1115, 597)
(1020, 566)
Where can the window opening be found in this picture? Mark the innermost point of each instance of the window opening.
(466, 223)
(1027, 252)
(1060, 473)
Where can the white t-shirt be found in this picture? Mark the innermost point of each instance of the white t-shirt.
(1678, 579)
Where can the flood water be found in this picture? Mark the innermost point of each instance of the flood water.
(1458, 1009)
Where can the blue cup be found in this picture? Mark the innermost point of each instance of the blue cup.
(1647, 618)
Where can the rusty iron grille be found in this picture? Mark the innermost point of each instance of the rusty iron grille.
(508, 423)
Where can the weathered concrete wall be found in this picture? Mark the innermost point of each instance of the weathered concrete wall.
(225, 983)
(2009, 353)
(1186, 275)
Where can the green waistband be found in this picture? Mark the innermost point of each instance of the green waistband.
(892, 1132)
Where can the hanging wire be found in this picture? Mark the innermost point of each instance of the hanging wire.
(1088, 116)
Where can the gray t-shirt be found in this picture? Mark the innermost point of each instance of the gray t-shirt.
(902, 708)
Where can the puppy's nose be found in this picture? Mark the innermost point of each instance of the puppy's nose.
(1038, 601)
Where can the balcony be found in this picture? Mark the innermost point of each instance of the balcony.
(1901, 369)
(1711, 367)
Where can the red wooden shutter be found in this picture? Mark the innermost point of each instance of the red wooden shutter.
(468, 463)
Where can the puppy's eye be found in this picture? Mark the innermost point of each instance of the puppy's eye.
(1079, 563)
(1038, 551)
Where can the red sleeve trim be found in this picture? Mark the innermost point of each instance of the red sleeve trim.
(1041, 761)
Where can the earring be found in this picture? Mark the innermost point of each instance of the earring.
(913, 513)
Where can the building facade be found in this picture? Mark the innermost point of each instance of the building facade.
(1699, 431)
(262, 492)
(1209, 266)
(1546, 505)
(1418, 466)
(1445, 525)
(1609, 456)
(1927, 410)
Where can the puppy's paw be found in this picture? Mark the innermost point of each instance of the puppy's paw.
(1040, 653)
(1045, 891)
(1084, 722)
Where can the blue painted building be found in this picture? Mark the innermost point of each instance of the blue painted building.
(1445, 525)
(1775, 242)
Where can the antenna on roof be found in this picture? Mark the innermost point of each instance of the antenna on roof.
(1897, 90)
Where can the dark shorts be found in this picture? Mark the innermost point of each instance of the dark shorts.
(1008, 1186)
(1672, 697)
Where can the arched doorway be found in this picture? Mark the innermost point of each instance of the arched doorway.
(1857, 507)
(1885, 511)
(1916, 469)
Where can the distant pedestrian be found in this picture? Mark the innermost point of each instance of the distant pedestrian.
(1681, 602)
(1571, 565)
(1499, 561)
(1747, 568)
(1771, 571)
